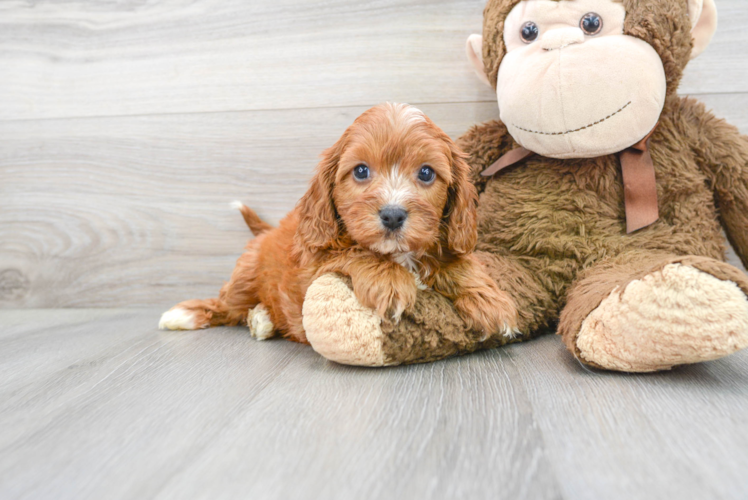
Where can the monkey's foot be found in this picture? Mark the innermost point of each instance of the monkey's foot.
(673, 316)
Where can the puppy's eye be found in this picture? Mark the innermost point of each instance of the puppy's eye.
(426, 174)
(361, 172)
(591, 24)
(529, 32)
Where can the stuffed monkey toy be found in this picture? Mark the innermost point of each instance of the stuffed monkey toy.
(603, 196)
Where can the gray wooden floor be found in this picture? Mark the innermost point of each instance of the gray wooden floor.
(99, 404)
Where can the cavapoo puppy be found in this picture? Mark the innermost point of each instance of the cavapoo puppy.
(391, 206)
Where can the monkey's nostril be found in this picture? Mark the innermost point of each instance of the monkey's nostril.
(393, 217)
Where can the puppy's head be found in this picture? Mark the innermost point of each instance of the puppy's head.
(393, 183)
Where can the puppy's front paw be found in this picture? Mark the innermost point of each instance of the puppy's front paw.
(489, 310)
(389, 295)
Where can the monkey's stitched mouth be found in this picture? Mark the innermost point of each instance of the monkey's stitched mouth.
(576, 129)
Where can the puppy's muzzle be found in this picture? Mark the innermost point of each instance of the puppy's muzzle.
(393, 217)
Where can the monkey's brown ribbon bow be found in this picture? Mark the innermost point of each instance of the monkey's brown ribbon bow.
(639, 184)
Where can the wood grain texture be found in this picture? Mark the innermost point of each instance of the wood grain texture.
(77, 58)
(132, 211)
(99, 404)
(127, 127)
(82, 58)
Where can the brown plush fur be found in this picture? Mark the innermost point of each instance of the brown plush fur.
(552, 233)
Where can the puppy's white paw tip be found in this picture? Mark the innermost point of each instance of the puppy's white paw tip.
(510, 333)
(260, 325)
(237, 205)
(177, 319)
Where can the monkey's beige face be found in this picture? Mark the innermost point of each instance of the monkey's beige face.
(392, 181)
(572, 85)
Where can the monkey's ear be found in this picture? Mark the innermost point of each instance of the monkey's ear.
(703, 14)
(474, 49)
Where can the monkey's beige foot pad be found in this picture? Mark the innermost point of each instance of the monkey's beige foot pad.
(339, 327)
(675, 316)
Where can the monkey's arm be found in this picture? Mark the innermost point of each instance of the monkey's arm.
(722, 153)
(485, 143)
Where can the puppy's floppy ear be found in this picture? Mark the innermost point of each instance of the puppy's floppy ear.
(461, 210)
(318, 220)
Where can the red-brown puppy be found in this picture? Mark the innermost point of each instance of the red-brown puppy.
(391, 206)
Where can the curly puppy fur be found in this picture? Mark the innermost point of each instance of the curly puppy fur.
(392, 160)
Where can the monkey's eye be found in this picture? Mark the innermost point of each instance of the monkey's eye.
(426, 174)
(591, 24)
(529, 32)
(361, 172)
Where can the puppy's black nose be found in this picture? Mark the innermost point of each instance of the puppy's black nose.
(393, 217)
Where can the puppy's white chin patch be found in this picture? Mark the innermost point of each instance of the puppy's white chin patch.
(389, 245)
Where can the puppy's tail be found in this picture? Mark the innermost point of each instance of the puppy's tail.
(256, 225)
